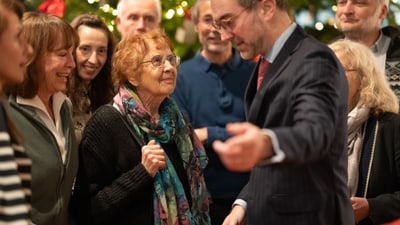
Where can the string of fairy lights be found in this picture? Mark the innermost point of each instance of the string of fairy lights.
(179, 11)
(326, 17)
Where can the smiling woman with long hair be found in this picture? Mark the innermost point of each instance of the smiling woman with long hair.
(42, 112)
(90, 85)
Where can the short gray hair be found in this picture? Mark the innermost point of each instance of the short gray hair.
(120, 5)
(196, 10)
(250, 4)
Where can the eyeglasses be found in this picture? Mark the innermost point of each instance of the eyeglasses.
(349, 70)
(159, 60)
(227, 24)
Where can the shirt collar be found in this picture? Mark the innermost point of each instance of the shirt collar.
(36, 102)
(381, 45)
(278, 45)
(206, 65)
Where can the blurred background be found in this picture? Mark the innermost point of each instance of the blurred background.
(316, 16)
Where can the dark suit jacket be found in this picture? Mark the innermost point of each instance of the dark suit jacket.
(303, 100)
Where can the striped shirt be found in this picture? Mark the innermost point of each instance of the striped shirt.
(15, 179)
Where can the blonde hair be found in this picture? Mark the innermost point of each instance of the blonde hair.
(375, 91)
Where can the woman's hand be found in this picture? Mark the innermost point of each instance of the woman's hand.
(360, 208)
(153, 157)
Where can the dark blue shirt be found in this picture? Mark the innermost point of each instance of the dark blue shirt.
(211, 96)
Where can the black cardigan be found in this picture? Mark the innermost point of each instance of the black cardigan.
(383, 193)
(112, 186)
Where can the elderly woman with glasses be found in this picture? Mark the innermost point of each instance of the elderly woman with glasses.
(141, 162)
(373, 136)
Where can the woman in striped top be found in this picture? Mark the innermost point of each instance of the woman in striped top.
(14, 164)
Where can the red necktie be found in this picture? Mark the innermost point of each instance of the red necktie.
(262, 68)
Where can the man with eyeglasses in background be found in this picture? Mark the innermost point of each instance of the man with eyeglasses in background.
(138, 16)
(295, 140)
(209, 91)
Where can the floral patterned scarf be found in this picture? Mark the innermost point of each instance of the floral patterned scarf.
(171, 206)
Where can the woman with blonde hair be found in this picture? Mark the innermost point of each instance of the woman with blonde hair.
(373, 136)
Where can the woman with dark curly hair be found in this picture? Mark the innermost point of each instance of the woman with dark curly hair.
(90, 86)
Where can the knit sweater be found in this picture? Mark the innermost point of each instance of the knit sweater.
(112, 186)
(393, 59)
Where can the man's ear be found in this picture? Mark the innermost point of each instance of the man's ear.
(267, 7)
(118, 21)
(384, 12)
(195, 28)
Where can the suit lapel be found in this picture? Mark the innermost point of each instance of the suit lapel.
(251, 89)
(255, 100)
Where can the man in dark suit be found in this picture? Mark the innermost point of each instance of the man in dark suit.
(294, 142)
